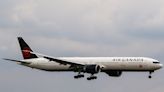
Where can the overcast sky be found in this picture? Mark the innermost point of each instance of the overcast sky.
(81, 28)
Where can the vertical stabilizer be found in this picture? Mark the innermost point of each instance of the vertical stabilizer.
(24, 46)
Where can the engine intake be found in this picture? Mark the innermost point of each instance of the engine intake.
(91, 69)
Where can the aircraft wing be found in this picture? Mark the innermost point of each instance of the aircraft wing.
(18, 61)
(60, 61)
(64, 62)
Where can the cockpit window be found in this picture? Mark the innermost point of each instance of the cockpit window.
(156, 62)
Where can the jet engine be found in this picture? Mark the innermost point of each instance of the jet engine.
(91, 69)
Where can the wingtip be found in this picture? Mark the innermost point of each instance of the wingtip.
(19, 37)
(5, 59)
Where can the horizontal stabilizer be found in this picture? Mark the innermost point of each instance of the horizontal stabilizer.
(19, 61)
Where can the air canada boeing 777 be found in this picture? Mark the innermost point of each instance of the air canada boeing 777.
(113, 66)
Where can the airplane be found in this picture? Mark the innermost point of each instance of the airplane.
(112, 66)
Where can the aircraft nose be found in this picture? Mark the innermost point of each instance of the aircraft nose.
(160, 65)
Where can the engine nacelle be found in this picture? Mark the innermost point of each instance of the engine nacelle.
(91, 69)
(114, 73)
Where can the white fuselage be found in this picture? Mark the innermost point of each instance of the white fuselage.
(106, 63)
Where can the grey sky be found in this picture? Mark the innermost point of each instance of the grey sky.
(81, 28)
